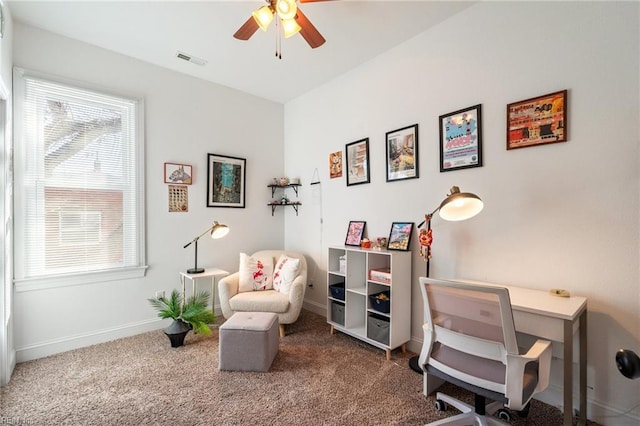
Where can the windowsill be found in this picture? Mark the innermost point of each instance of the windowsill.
(47, 283)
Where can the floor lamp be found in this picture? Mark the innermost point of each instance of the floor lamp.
(456, 206)
(218, 230)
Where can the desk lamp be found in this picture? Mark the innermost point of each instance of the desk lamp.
(457, 206)
(218, 230)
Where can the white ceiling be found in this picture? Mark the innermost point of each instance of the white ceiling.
(154, 31)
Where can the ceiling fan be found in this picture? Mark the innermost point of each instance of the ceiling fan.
(291, 18)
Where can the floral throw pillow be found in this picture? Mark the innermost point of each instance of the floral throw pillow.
(255, 274)
(285, 271)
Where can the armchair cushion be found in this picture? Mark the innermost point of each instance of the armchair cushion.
(260, 301)
(256, 273)
(285, 272)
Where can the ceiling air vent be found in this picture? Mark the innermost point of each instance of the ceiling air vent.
(190, 58)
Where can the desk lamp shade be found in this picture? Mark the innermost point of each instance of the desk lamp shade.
(218, 230)
(460, 205)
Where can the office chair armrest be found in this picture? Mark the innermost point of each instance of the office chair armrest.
(516, 364)
(541, 351)
(537, 350)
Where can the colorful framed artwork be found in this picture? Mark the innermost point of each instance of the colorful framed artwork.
(537, 121)
(400, 236)
(335, 164)
(355, 233)
(402, 153)
(357, 162)
(177, 174)
(226, 181)
(461, 139)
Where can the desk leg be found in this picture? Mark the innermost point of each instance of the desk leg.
(567, 386)
(582, 417)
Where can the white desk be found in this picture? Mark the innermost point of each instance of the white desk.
(538, 313)
(212, 273)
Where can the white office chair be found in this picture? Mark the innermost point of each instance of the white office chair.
(470, 341)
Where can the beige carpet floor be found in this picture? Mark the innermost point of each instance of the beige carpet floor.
(316, 379)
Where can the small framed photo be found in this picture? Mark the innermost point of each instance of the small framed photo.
(402, 153)
(335, 164)
(226, 181)
(355, 233)
(357, 162)
(400, 236)
(177, 174)
(537, 121)
(461, 139)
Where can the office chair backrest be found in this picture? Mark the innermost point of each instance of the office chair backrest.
(472, 331)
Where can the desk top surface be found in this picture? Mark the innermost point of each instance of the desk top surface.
(541, 302)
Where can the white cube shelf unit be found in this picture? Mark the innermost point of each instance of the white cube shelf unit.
(356, 311)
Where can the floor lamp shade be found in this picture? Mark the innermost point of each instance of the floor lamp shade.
(460, 205)
(217, 230)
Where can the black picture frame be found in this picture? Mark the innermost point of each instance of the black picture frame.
(402, 153)
(357, 162)
(461, 139)
(400, 236)
(226, 177)
(355, 233)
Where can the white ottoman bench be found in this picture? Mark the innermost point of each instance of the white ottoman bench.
(248, 341)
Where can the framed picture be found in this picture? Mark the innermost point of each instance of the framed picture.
(335, 164)
(178, 198)
(537, 121)
(402, 153)
(225, 181)
(461, 139)
(177, 173)
(400, 236)
(357, 162)
(355, 233)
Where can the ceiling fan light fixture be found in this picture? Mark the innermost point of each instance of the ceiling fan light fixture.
(290, 27)
(263, 17)
(286, 9)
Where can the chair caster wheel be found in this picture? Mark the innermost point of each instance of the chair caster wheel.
(441, 405)
(503, 414)
(525, 411)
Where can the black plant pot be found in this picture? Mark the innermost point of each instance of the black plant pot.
(176, 332)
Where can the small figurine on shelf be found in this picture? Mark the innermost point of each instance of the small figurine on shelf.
(284, 200)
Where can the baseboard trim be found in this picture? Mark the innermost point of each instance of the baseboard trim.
(52, 347)
(315, 307)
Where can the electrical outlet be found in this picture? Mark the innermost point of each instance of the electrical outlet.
(159, 294)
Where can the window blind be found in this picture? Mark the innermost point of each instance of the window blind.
(78, 180)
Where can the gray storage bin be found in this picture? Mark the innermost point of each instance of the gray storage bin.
(378, 328)
(337, 313)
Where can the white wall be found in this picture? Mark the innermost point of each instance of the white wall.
(186, 118)
(561, 215)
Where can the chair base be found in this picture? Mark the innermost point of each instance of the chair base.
(469, 415)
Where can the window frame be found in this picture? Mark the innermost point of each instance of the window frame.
(96, 275)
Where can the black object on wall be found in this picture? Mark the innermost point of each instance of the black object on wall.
(628, 363)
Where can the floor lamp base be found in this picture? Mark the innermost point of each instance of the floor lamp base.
(413, 363)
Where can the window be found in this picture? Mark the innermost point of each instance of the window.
(79, 184)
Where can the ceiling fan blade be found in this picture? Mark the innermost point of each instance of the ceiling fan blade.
(247, 29)
(308, 31)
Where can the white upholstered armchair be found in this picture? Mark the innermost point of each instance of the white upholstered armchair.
(285, 300)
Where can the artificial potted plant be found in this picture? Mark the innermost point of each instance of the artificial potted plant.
(190, 315)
